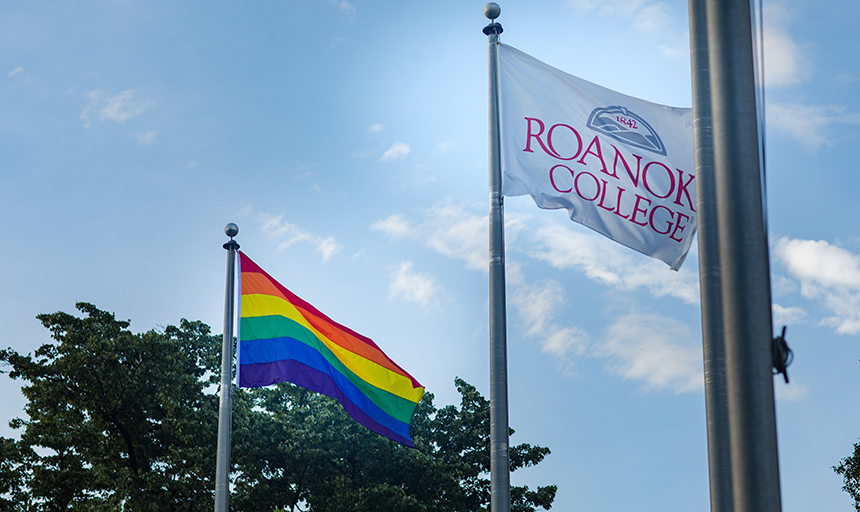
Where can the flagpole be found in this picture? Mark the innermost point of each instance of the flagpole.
(744, 259)
(713, 342)
(500, 477)
(222, 468)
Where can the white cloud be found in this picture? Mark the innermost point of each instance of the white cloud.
(603, 260)
(119, 108)
(847, 78)
(327, 247)
(457, 234)
(659, 351)
(666, 355)
(564, 342)
(19, 69)
(828, 273)
(514, 275)
(397, 151)
(781, 285)
(444, 147)
(786, 315)
(654, 20)
(345, 8)
(808, 124)
(417, 287)
(816, 261)
(451, 230)
(146, 138)
(275, 227)
(784, 62)
(246, 211)
(377, 128)
(298, 236)
(789, 392)
(394, 225)
(421, 174)
(302, 170)
(454, 232)
(289, 234)
(610, 7)
(655, 349)
(538, 306)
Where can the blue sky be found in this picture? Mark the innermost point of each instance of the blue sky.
(348, 140)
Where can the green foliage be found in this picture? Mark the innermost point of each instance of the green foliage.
(116, 420)
(302, 451)
(463, 440)
(121, 421)
(849, 469)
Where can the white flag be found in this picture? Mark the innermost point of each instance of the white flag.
(620, 165)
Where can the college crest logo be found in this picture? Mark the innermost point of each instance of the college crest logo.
(627, 127)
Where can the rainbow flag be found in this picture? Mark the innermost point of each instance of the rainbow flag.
(284, 339)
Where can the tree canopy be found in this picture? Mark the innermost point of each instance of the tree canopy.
(124, 421)
(849, 468)
(115, 419)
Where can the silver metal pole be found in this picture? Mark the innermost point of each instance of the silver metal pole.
(744, 259)
(222, 468)
(500, 476)
(713, 342)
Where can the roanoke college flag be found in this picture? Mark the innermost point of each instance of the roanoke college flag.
(284, 339)
(620, 165)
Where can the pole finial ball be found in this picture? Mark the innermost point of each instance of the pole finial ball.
(231, 230)
(492, 10)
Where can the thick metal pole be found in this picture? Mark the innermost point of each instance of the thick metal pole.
(222, 467)
(713, 342)
(744, 259)
(500, 477)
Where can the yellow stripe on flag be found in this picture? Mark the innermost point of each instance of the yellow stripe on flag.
(254, 305)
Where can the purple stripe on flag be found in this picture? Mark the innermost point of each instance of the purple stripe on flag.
(286, 348)
(320, 382)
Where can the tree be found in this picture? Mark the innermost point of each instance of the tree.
(849, 469)
(463, 440)
(304, 450)
(116, 420)
(123, 421)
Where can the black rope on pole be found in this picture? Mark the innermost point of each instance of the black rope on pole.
(493, 28)
(782, 355)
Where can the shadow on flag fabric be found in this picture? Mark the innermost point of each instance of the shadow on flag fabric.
(620, 165)
(284, 339)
